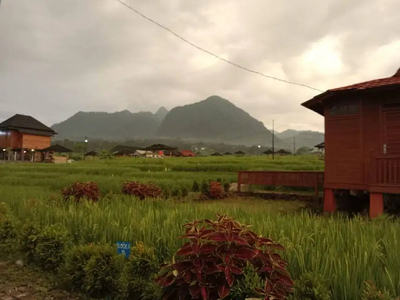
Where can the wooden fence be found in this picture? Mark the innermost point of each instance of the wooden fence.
(282, 178)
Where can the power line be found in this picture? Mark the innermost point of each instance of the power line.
(212, 54)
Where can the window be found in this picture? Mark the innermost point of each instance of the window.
(343, 110)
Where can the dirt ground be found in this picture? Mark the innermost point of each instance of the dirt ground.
(21, 283)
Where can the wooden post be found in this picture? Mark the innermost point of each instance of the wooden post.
(22, 155)
(329, 201)
(375, 205)
(239, 181)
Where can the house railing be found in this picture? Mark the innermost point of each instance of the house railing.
(282, 178)
(385, 170)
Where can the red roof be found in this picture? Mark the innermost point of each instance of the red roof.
(370, 84)
(187, 153)
(316, 103)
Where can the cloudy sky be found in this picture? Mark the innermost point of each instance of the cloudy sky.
(58, 57)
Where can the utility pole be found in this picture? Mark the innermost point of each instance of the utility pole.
(294, 145)
(273, 140)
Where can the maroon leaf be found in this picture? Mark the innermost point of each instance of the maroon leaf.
(196, 248)
(229, 277)
(285, 280)
(245, 254)
(187, 277)
(236, 271)
(204, 293)
(182, 266)
(185, 250)
(223, 291)
(268, 287)
(240, 241)
(168, 280)
(207, 248)
(211, 268)
(217, 236)
(276, 246)
(194, 291)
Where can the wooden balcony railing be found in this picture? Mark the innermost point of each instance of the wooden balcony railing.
(385, 170)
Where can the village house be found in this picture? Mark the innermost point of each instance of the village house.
(23, 137)
(362, 140)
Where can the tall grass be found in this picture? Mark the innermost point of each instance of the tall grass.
(346, 252)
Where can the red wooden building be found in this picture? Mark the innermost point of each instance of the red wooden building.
(22, 137)
(362, 139)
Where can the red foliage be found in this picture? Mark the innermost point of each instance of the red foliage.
(141, 190)
(209, 264)
(216, 191)
(78, 190)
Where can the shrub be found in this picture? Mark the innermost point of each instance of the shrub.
(79, 190)
(137, 279)
(214, 260)
(311, 286)
(216, 191)
(44, 247)
(141, 190)
(93, 269)
(8, 232)
(371, 292)
(204, 188)
(195, 187)
(184, 192)
(227, 186)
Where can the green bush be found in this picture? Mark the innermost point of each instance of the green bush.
(195, 187)
(44, 247)
(8, 232)
(246, 285)
(137, 279)
(93, 269)
(311, 286)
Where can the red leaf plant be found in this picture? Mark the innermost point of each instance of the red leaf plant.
(141, 190)
(78, 190)
(216, 191)
(208, 265)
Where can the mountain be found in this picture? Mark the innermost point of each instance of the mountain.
(112, 126)
(216, 120)
(301, 138)
(161, 113)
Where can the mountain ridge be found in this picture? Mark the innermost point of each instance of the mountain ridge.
(213, 119)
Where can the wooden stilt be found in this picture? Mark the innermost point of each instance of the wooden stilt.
(329, 201)
(375, 205)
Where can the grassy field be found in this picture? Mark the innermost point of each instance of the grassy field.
(346, 252)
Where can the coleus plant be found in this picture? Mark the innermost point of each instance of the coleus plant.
(89, 190)
(208, 265)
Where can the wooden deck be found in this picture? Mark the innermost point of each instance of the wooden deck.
(385, 174)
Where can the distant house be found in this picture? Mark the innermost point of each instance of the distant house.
(56, 154)
(187, 153)
(171, 153)
(283, 152)
(320, 146)
(268, 152)
(160, 150)
(216, 154)
(121, 150)
(227, 153)
(239, 153)
(23, 137)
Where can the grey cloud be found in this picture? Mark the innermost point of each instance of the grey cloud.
(60, 57)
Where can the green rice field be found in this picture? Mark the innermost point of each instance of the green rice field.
(346, 252)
